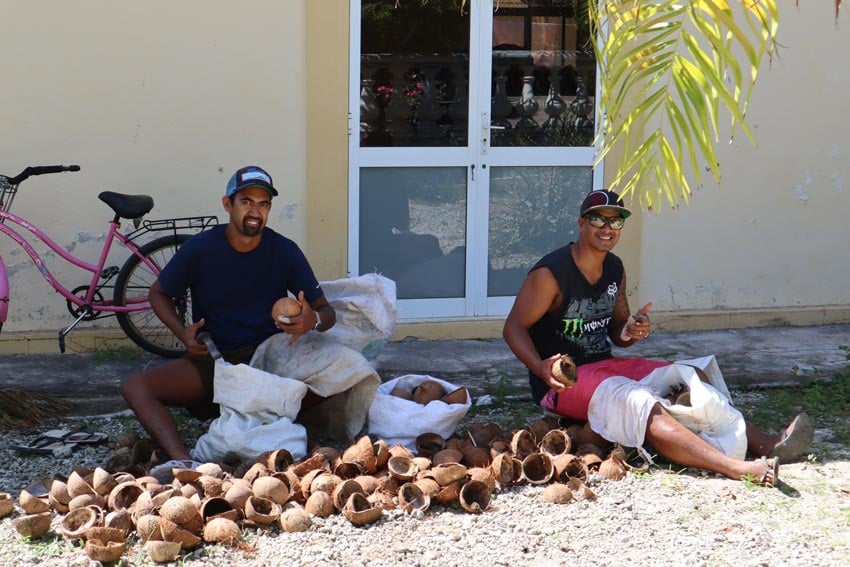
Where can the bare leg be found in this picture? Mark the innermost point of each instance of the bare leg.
(679, 444)
(149, 394)
(759, 443)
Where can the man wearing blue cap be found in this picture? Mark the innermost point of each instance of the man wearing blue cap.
(235, 273)
(573, 302)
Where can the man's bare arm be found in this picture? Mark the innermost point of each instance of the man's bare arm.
(538, 295)
(163, 306)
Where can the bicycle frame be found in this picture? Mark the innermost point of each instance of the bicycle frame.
(95, 269)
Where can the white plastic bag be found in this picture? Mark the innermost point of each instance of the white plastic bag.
(397, 420)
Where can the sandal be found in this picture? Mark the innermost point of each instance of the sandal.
(794, 443)
(770, 471)
(50, 441)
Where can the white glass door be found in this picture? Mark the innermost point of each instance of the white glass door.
(470, 146)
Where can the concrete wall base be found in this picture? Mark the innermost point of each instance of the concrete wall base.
(86, 340)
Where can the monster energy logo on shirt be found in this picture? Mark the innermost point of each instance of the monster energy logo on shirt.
(576, 327)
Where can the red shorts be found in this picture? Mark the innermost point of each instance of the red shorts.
(572, 403)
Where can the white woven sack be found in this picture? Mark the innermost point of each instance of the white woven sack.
(397, 420)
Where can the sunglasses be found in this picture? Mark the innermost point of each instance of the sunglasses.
(597, 221)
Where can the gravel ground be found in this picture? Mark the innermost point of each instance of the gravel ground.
(662, 517)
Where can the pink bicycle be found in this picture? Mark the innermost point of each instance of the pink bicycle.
(129, 301)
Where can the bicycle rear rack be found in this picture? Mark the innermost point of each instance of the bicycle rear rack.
(196, 224)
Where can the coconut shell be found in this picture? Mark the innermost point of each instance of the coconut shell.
(119, 519)
(261, 511)
(557, 493)
(411, 497)
(77, 485)
(148, 528)
(102, 481)
(564, 371)
(348, 470)
(179, 510)
(284, 308)
(474, 497)
(295, 520)
(162, 551)
(523, 444)
(449, 493)
(75, 524)
(481, 435)
(580, 490)
(612, 468)
(359, 511)
(59, 492)
(33, 504)
(343, 492)
(428, 486)
(447, 456)
(105, 552)
(7, 505)
(427, 391)
(537, 468)
(447, 473)
(325, 482)
(84, 500)
(402, 468)
(475, 457)
(555, 442)
(399, 450)
(483, 474)
(539, 428)
(320, 504)
(459, 396)
(33, 525)
(222, 530)
(306, 465)
(218, 507)
(369, 484)
(173, 532)
(272, 488)
(381, 500)
(124, 495)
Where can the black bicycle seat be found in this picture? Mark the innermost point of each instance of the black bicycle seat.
(127, 206)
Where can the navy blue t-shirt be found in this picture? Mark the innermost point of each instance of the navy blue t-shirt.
(234, 291)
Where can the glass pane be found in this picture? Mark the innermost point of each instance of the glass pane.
(544, 74)
(414, 73)
(413, 229)
(533, 210)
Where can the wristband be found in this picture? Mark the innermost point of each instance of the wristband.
(317, 326)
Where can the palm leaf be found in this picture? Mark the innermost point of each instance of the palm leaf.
(674, 74)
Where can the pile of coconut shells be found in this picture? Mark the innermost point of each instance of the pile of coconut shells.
(213, 503)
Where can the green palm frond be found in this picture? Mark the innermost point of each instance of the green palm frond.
(671, 73)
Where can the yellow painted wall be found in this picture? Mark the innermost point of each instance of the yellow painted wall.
(157, 97)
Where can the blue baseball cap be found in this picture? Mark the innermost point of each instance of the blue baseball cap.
(250, 176)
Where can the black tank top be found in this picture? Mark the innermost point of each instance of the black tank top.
(579, 327)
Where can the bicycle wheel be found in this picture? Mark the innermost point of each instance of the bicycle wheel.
(134, 281)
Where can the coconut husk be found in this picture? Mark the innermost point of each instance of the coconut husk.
(124, 495)
(295, 520)
(104, 552)
(179, 510)
(537, 468)
(381, 500)
(428, 444)
(475, 456)
(474, 497)
(382, 453)
(84, 500)
(449, 493)
(503, 468)
(427, 391)
(557, 493)
(346, 470)
(320, 504)
(482, 434)
(32, 504)
(148, 528)
(399, 450)
(310, 463)
(261, 511)
(555, 442)
(569, 466)
(369, 483)
(459, 396)
(402, 468)
(75, 524)
(580, 490)
(120, 520)
(484, 475)
(447, 473)
(447, 456)
(7, 505)
(523, 444)
(411, 497)
(325, 482)
(359, 511)
(162, 551)
(218, 507)
(539, 428)
(222, 530)
(272, 488)
(33, 525)
(612, 468)
(343, 492)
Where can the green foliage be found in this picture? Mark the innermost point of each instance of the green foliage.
(122, 353)
(46, 547)
(669, 70)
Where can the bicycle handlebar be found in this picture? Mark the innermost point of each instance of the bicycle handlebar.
(41, 170)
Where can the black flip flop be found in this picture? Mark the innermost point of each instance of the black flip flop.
(54, 439)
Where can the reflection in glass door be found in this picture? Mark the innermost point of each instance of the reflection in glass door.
(472, 146)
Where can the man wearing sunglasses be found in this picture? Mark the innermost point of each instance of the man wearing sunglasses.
(573, 302)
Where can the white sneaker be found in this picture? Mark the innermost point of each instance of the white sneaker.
(164, 473)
